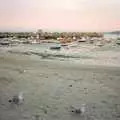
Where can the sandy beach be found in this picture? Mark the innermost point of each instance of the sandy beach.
(51, 86)
(59, 59)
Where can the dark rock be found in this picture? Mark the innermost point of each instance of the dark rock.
(70, 85)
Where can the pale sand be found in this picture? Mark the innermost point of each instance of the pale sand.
(51, 86)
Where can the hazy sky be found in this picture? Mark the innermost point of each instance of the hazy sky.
(66, 15)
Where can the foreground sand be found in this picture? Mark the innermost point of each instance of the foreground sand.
(51, 87)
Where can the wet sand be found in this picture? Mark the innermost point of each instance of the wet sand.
(51, 87)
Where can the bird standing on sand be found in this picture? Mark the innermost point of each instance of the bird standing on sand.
(78, 110)
(17, 99)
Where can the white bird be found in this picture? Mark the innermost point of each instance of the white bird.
(17, 99)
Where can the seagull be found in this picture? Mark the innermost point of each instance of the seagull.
(17, 99)
(78, 110)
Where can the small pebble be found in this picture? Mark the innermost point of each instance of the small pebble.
(45, 111)
(70, 85)
(37, 117)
